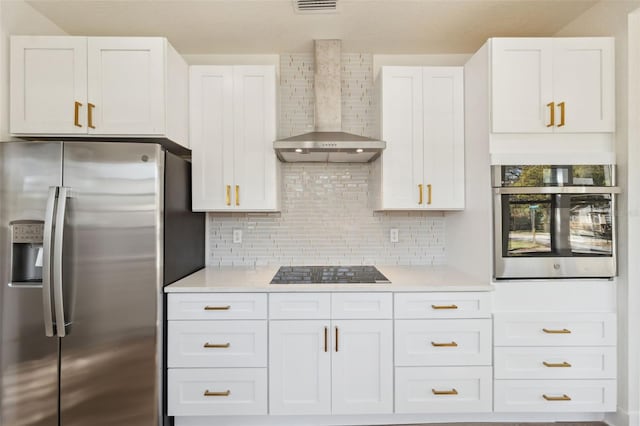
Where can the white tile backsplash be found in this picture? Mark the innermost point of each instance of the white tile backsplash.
(326, 216)
(326, 219)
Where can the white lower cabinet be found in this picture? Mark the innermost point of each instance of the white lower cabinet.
(443, 389)
(336, 357)
(555, 395)
(330, 367)
(216, 391)
(555, 362)
(299, 367)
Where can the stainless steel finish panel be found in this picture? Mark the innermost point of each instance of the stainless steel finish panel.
(28, 359)
(559, 190)
(112, 281)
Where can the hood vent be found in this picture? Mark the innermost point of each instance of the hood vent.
(317, 6)
(328, 143)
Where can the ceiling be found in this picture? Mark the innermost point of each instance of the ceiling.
(273, 26)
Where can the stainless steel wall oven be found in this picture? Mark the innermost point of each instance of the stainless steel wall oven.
(554, 221)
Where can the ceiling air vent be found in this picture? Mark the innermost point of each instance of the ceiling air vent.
(316, 6)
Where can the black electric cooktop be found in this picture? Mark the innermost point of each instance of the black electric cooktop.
(329, 275)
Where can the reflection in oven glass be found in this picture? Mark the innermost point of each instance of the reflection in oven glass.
(529, 224)
(590, 224)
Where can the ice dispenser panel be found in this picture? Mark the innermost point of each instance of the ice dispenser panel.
(26, 252)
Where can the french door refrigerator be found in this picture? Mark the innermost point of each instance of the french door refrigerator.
(90, 232)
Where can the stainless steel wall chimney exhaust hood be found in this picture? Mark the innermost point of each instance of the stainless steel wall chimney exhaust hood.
(328, 143)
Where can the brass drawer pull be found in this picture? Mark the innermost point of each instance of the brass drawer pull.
(564, 397)
(561, 105)
(552, 114)
(562, 364)
(444, 306)
(237, 195)
(563, 331)
(446, 392)
(76, 114)
(90, 108)
(225, 393)
(217, 345)
(443, 345)
(326, 334)
(217, 308)
(429, 194)
(228, 195)
(420, 194)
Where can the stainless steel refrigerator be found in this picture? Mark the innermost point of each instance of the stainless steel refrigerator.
(90, 232)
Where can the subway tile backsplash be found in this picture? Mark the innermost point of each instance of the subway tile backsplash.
(326, 215)
(326, 218)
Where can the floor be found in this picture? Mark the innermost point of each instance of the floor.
(518, 424)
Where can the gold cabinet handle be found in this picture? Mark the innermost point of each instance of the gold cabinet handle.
(216, 345)
(217, 308)
(90, 108)
(326, 338)
(444, 392)
(336, 338)
(228, 197)
(76, 114)
(428, 194)
(237, 195)
(564, 397)
(420, 194)
(444, 306)
(552, 113)
(551, 364)
(561, 105)
(225, 393)
(550, 331)
(444, 345)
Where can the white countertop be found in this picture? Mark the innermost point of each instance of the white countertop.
(403, 278)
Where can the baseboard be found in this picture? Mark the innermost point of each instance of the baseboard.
(623, 418)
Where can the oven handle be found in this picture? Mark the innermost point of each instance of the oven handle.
(558, 190)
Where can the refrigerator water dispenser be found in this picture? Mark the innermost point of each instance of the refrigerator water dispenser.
(26, 252)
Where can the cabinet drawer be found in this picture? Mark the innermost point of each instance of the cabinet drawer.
(300, 306)
(216, 391)
(555, 329)
(443, 342)
(217, 344)
(361, 306)
(195, 306)
(555, 363)
(442, 305)
(555, 395)
(438, 390)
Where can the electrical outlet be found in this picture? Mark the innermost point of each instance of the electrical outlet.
(393, 235)
(237, 236)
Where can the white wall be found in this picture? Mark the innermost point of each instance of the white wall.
(418, 60)
(17, 18)
(609, 18)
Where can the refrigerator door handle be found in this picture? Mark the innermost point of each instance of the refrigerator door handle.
(58, 295)
(46, 262)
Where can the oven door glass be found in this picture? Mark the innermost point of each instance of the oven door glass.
(558, 225)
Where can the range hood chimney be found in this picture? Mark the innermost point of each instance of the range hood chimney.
(328, 143)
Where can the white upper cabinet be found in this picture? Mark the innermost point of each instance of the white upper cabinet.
(101, 86)
(233, 126)
(423, 124)
(545, 85)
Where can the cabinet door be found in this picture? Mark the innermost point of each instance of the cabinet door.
(362, 370)
(48, 78)
(299, 367)
(126, 85)
(211, 135)
(255, 162)
(584, 81)
(402, 129)
(521, 70)
(443, 137)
